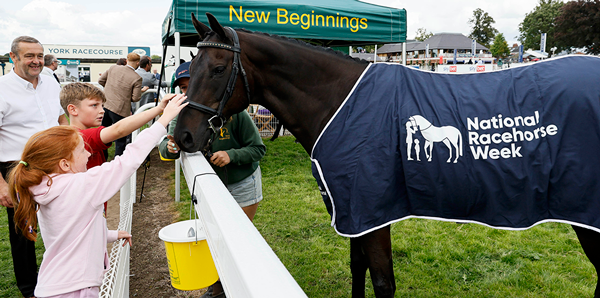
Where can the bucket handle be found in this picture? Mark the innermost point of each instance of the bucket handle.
(193, 203)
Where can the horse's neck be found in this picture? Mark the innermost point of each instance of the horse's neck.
(300, 85)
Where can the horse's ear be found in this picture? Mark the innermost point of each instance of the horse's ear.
(200, 28)
(192, 54)
(215, 26)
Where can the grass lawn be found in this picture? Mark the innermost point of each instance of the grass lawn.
(431, 258)
(8, 283)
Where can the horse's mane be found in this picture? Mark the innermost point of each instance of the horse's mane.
(309, 45)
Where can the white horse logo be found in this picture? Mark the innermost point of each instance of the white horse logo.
(449, 135)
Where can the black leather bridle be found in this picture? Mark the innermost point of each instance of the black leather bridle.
(236, 66)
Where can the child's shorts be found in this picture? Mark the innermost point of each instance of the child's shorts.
(248, 191)
(91, 292)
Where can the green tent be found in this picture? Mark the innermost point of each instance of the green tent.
(325, 22)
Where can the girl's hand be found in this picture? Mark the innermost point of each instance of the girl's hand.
(126, 236)
(220, 159)
(172, 109)
(165, 100)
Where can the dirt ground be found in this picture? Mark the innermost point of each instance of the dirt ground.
(148, 268)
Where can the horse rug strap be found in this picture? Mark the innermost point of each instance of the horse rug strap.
(507, 149)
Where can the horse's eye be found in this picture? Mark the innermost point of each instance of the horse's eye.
(219, 70)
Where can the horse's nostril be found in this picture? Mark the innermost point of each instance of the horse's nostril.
(187, 140)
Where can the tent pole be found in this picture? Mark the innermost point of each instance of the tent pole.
(404, 53)
(177, 49)
(375, 57)
(177, 162)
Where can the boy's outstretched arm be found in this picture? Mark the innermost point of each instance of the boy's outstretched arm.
(127, 125)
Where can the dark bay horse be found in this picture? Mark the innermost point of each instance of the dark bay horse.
(303, 86)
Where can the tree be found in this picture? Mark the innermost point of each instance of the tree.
(500, 47)
(422, 34)
(540, 20)
(577, 26)
(482, 30)
(155, 57)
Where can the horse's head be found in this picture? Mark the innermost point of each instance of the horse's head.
(218, 86)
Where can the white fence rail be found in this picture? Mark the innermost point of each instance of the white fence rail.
(247, 266)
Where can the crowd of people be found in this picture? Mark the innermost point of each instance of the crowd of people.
(55, 174)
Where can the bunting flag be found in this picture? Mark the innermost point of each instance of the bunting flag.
(507, 149)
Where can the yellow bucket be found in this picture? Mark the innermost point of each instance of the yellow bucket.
(190, 263)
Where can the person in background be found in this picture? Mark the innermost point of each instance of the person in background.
(52, 180)
(181, 62)
(122, 61)
(122, 85)
(238, 149)
(148, 79)
(50, 66)
(29, 103)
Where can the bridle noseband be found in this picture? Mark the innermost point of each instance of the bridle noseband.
(236, 66)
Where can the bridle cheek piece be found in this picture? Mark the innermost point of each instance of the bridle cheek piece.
(236, 66)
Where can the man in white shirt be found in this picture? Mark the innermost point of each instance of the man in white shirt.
(29, 103)
(50, 66)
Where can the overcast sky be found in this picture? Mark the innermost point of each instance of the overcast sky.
(138, 22)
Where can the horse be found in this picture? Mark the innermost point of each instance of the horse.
(305, 86)
(449, 135)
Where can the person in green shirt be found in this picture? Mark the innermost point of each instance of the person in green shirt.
(238, 149)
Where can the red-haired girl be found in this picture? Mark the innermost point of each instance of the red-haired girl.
(52, 180)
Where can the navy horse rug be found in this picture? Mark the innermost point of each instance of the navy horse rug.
(507, 149)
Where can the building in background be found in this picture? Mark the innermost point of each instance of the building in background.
(79, 63)
(438, 49)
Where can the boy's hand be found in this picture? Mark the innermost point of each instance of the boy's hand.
(172, 109)
(126, 236)
(165, 100)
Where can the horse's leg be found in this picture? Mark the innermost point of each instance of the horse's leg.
(590, 242)
(447, 142)
(430, 150)
(428, 145)
(358, 267)
(455, 142)
(457, 151)
(277, 132)
(376, 247)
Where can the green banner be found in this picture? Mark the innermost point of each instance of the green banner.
(328, 22)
